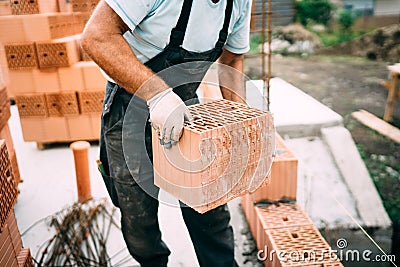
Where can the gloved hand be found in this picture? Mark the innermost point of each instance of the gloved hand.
(167, 115)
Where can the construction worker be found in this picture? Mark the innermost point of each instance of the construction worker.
(131, 40)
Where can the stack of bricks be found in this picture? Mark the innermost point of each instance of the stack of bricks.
(5, 131)
(279, 225)
(224, 152)
(58, 90)
(11, 252)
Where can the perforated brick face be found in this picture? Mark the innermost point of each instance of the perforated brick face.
(224, 152)
(8, 187)
(91, 101)
(62, 104)
(21, 56)
(5, 113)
(31, 105)
(24, 7)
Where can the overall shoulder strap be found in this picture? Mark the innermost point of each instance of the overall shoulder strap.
(223, 34)
(178, 33)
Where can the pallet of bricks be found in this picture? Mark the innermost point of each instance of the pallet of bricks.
(58, 90)
(279, 225)
(12, 254)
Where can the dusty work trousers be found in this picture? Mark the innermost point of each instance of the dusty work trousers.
(211, 233)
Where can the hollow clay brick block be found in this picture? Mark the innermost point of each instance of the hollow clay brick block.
(91, 101)
(14, 233)
(283, 176)
(11, 29)
(45, 27)
(20, 82)
(56, 129)
(21, 56)
(5, 113)
(5, 8)
(31, 105)
(24, 258)
(33, 129)
(219, 155)
(61, 52)
(15, 168)
(83, 5)
(302, 239)
(7, 254)
(92, 76)
(71, 78)
(4, 71)
(46, 80)
(8, 186)
(278, 215)
(23, 7)
(249, 212)
(62, 104)
(5, 134)
(64, 6)
(80, 128)
(96, 122)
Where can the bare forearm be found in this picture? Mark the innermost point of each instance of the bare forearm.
(102, 40)
(231, 77)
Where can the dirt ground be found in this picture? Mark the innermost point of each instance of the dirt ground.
(347, 84)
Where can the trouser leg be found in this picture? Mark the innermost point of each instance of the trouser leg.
(139, 220)
(212, 236)
(140, 228)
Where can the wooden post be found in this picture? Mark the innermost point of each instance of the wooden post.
(81, 151)
(391, 95)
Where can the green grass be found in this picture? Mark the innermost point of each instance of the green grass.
(255, 41)
(330, 38)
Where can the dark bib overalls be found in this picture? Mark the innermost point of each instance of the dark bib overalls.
(125, 151)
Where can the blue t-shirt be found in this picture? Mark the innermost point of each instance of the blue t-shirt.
(151, 22)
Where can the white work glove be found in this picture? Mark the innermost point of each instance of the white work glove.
(167, 115)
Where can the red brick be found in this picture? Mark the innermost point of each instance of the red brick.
(222, 159)
(71, 78)
(91, 101)
(14, 233)
(45, 27)
(5, 8)
(12, 29)
(33, 129)
(62, 104)
(8, 187)
(5, 113)
(283, 183)
(56, 129)
(31, 105)
(83, 5)
(301, 240)
(92, 76)
(61, 52)
(5, 134)
(46, 80)
(22, 7)
(21, 56)
(21, 82)
(24, 258)
(80, 128)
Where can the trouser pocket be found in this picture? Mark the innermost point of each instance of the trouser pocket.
(109, 182)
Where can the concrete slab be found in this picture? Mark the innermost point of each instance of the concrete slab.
(320, 185)
(356, 176)
(296, 113)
